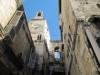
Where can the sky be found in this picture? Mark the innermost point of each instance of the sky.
(50, 12)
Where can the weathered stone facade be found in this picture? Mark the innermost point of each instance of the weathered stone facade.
(56, 43)
(78, 21)
(41, 38)
(42, 55)
(9, 6)
(56, 57)
(53, 46)
(15, 39)
(39, 28)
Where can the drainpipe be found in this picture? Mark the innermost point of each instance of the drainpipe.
(93, 43)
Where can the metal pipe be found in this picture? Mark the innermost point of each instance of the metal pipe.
(93, 43)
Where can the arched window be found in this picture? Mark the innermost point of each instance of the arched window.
(39, 14)
(56, 49)
(38, 37)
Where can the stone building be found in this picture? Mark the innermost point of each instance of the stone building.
(56, 57)
(79, 24)
(15, 39)
(41, 38)
(42, 56)
(39, 28)
(54, 44)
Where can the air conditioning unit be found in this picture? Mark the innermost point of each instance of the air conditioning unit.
(13, 27)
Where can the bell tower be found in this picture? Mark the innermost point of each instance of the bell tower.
(39, 28)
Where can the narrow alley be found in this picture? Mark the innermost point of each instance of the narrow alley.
(26, 47)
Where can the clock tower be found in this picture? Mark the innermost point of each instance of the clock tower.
(39, 28)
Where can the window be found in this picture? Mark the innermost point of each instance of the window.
(40, 37)
(39, 14)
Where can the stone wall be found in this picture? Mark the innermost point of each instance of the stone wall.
(42, 53)
(16, 43)
(21, 44)
(79, 58)
(54, 44)
(83, 62)
(68, 28)
(7, 10)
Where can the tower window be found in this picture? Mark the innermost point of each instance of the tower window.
(40, 37)
(39, 14)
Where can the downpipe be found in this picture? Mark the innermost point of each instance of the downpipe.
(93, 42)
